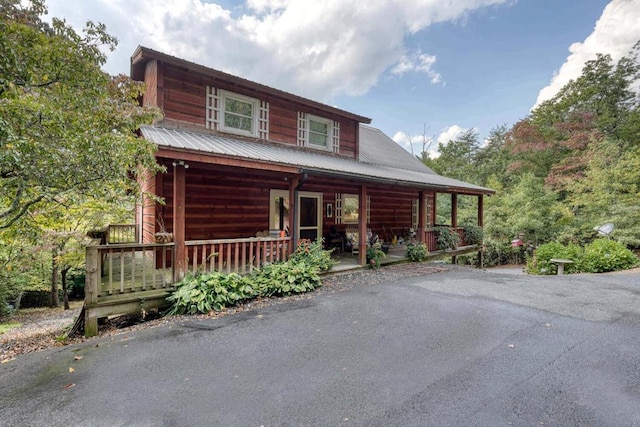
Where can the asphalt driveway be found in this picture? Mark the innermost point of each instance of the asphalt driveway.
(463, 347)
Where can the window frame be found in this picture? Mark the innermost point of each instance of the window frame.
(350, 220)
(329, 136)
(255, 110)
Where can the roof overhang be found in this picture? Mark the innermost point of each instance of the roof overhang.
(214, 149)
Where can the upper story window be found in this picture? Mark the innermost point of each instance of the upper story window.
(234, 113)
(239, 114)
(318, 132)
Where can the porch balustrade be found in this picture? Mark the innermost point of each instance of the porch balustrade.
(236, 255)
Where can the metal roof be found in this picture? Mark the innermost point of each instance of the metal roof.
(381, 159)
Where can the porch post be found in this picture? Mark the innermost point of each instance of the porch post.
(362, 225)
(454, 220)
(179, 180)
(293, 213)
(421, 216)
(481, 224)
(454, 210)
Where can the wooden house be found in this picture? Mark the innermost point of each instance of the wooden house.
(251, 169)
(243, 158)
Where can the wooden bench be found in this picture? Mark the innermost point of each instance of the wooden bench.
(561, 263)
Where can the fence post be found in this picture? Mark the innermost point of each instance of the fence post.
(91, 289)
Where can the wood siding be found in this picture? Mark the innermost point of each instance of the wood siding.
(182, 97)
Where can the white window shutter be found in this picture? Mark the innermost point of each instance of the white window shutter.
(302, 129)
(368, 209)
(263, 120)
(336, 136)
(212, 118)
(337, 210)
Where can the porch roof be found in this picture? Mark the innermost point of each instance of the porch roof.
(381, 159)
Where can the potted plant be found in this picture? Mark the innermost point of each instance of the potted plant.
(375, 254)
(162, 235)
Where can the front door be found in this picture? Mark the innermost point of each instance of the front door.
(309, 215)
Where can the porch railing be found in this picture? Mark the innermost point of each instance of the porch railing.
(236, 255)
(431, 238)
(127, 268)
(122, 233)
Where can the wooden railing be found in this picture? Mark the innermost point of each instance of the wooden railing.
(431, 238)
(122, 233)
(236, 255)
(127, 268)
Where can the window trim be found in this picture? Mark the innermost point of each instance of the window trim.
(255, 109)
(329, 141)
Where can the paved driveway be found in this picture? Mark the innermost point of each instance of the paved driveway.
(464, 347)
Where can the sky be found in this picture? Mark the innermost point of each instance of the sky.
(418, 68)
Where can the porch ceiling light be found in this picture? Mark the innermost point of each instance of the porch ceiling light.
(180, 163)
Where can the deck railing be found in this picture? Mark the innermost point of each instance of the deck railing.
(236, 255)
(432, 238)
(122, 233)
(127, 268)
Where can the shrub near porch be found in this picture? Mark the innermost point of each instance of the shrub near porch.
(206, 292)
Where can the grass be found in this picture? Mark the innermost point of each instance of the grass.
(4, 327)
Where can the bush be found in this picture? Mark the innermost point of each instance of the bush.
(204, 292)
(447, 238)
(282, 279)
(597, 257)
(313, 255)
(417, 251)
(607, 255)
(473, 234)
(541, 263)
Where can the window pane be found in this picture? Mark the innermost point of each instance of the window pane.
(317, 139)
(318, 127)
(239, 107)
(350, 207)
(237, 122)
(308, 211)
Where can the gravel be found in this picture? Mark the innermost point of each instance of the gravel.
(45, 328)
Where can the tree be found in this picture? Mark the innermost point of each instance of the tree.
(67, 134)
(47, 152)
(457, 158)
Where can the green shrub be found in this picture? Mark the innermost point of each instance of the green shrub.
(286, 278)
(313, 254)
(417, 251)
(597, 257)
(607, 255)
(447, 238)
(204, 292)
(473, 234)
(541, 263)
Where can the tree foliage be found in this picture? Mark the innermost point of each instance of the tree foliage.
(570, 166)
(68, 145)
(65, 125)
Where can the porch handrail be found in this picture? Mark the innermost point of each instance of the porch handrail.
(239, 255)
(126, 268)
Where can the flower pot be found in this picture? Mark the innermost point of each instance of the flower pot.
(164, 237)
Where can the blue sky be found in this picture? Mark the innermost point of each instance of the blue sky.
(445, 66)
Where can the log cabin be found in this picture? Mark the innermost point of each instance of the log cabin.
(251, 170)
(245, 160)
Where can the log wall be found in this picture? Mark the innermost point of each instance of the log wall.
(183, 98)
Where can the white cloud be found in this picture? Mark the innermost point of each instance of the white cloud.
(318, 49)
(615, 33)
(416, 143)
(450, 133)
(418, 62)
